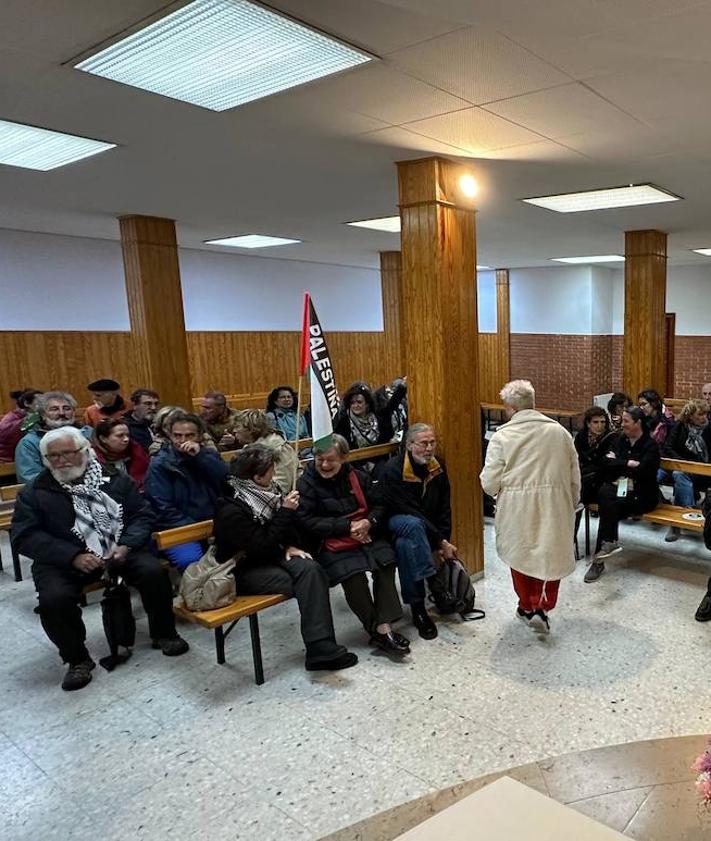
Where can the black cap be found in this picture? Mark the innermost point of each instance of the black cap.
(104, 385)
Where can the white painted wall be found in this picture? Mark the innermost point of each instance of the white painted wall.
(689, 296)
(50, 282)
(486, 301)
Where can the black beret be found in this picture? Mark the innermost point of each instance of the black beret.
(104, 385)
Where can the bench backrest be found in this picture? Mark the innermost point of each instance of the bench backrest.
(183, 534)
(694, 467)
(7, 468)
(10, 492)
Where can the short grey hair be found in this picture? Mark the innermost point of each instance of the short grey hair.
(72, 432)
(519, 393)
(416, 429)
(338, 443)
(43, 400)
(253, 460)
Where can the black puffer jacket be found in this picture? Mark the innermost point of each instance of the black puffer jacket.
(44, 517)
(323, 512)
(646, 452)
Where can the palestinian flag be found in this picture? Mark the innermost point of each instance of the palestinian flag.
(324, 395)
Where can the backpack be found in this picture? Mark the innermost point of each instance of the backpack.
(207, 585)
(459, 594)
(118, 621)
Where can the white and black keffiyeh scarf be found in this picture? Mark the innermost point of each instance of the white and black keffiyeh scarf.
(364, 429)
(262, 502)
(98, 519)
(695, 442)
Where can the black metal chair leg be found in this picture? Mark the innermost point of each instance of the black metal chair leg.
(220, 645)
(16, 565)
(256, 649)
(587, 532)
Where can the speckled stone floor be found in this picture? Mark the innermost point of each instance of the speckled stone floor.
(163, 746)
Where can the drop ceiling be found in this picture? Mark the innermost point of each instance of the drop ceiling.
(539, 98)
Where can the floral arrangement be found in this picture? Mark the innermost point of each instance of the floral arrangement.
(702, 766)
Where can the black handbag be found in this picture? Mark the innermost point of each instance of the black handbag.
(119, 622)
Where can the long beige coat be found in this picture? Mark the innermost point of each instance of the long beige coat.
(532, 468)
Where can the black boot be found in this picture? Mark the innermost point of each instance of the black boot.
(426, 628)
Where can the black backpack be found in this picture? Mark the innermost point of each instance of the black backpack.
(455, 592)
(119, 623)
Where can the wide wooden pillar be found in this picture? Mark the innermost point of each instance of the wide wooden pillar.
(645, 300)
(391, 291)
(155, 304)
(439, 328)
(503, 327)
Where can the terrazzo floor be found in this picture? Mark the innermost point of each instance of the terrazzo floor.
(163, 746)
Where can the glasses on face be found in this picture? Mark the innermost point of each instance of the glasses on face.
(425, 445)
(64, 455)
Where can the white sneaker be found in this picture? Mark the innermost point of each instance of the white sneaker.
(540, 623)
(609, 547)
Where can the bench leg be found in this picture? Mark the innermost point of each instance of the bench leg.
(16, 565)
(256, 649)
(587, 532)
(220, 645)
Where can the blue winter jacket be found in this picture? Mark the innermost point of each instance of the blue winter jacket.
(183, 489)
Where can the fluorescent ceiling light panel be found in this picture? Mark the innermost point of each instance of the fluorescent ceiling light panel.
(597, 258)
(391, 224)
(705, 251)
(483, 268)
(604, 199)
(42, 149)
(251, 241)
(219, 54)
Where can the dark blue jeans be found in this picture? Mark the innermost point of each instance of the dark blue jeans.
(414, 556)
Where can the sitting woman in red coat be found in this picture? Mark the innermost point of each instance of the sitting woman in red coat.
(117, 452)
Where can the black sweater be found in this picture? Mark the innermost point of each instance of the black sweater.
(646, 452)
(237, 531)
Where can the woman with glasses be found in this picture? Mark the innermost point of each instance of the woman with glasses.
(657, 418)
(343, 515)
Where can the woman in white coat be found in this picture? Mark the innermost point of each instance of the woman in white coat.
(532, 468)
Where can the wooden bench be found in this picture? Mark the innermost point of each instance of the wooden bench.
(7, 468)
(230, 615)
(569, 415)
(8, 494)
(665, 514)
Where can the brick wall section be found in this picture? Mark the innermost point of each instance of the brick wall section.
(692, 365)
(616, 367)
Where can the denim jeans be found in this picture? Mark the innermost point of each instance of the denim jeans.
(414, 556)
(683, 489)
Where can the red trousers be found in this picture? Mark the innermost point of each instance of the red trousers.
(530, 592)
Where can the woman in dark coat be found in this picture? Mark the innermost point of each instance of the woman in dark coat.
(592, 443)
(258, 524)
(118, 452)
(361, 423)
(341, 511)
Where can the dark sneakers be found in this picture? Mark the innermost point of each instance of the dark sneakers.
(173, 647)
(703, 612)
(595, 570)
(391, 643)
(78, 675)
(426, 628)
(539, 622)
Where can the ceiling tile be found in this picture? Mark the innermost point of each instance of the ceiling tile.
(543, 150)
(561, 111)
(474, 130)
(399, 137)
(478, 65)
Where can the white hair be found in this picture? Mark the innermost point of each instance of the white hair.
(63, 432)
(519, 394)
(416, 429)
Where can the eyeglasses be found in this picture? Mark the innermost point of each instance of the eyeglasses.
(65, 454)
(424, 445)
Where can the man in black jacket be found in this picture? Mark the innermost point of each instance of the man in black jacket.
(139, 420)
(416, 494)
(75, 522)
(630, 486)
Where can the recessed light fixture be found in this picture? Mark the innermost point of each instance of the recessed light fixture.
(219, 54)
(39, 148)
(596, 258)
(705, 251)
(483, 268)
(251, 241)
(391, 224)
(604, 199)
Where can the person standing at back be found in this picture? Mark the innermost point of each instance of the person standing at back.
(532, 469)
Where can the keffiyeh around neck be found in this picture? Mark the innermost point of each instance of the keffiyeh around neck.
(364, 429)
(262, 502)
(98, 519)
(695, 442)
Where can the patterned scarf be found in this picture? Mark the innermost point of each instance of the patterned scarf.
(364, 429)
(262, 502)
(98, 519)
(695, 442)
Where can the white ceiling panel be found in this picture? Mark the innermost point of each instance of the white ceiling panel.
(474, 130)
(384, 93)
(478, 65)
(398, 137)
(543, 150)
(565, 110)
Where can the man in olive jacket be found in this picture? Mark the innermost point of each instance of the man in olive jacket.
(76, 522)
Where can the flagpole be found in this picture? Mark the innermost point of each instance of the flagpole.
(296, 434)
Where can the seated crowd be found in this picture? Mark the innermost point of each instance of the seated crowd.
(95, 493)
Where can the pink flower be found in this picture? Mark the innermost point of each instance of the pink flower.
(703, 786)
(702, 763)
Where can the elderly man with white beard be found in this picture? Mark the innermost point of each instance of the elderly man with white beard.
(75, 521)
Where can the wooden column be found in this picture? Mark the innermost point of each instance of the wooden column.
(391, 287)
(155, 304)
(439, 328)
(645, 304)
(503, 327)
